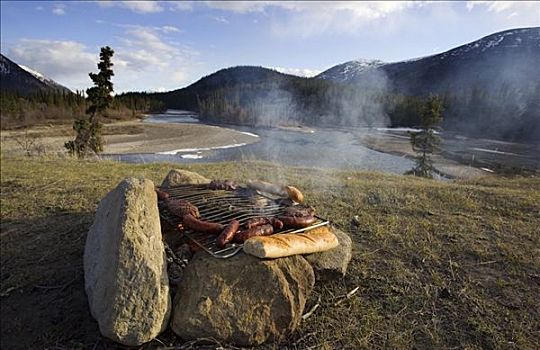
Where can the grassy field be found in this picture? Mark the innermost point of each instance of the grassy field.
(438, 264)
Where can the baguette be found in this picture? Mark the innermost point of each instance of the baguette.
(286, 244)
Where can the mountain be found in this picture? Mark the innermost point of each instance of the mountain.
(511, 56)
(25, 80)
(245, 76)
(491, 86)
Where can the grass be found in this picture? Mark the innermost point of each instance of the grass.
(438, 264)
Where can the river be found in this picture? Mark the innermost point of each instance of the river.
(325, 148)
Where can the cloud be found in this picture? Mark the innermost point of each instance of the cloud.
(514, 13)
(67, 62)
(143, 56)
(59, 9)
(240, 6)
(222, 19)
(493, 6)
(301, 72)
(168, 29)
(515, 8)
(148, 56)
(135, 6)
(311, 18)
(181, 5)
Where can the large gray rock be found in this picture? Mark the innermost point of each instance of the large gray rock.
(125, 268)
(183, 177)
(242, 300)
(332, 263)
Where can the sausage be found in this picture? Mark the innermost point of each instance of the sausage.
(227, 235)
(263, 230)
(162, 195)
(227, 185)
(276, 223)
(297, 221)
(299, 211)
(191, 222)
(181, 207)
(254, 222)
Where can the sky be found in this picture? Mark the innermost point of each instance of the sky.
(166, 45)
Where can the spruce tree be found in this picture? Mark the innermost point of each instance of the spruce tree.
(426, 141)
(99, 97)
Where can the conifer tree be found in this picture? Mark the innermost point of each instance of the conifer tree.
(99, 97)
(426, 141)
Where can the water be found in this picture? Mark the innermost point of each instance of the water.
(326, 148)
(173, 116)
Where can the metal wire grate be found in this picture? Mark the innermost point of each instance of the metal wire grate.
(223, 206)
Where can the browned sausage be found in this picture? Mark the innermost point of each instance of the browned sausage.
(299, 211)
(181, 207)
(227, 234)
(263, 230)
(276, 223)
(297, 221)
(162, 195)
(254, 222)
(197, 225)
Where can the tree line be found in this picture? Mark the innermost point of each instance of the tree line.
(499, 113)
(18, 110)
(308, 102)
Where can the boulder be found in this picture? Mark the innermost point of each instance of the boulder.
(125, 267)
(183, 177)
(332, 263)
(242, 300)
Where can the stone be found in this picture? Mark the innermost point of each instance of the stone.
(183, 177)
(125, 267)
(241, 300)
(333, 263)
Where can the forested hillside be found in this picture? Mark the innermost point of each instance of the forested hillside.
(54, 106)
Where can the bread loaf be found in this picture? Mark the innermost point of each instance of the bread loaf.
(286, 244)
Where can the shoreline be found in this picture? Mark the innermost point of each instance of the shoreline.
(399, 146)
(130, 137)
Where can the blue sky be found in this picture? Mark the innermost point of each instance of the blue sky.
(167, 45)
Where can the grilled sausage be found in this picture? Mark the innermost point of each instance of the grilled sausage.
(227, 234)
(162, 195)
(264, 230)
(181, 207)
(276, 223)
(254, 222)
(197, 225)
(297, 221)
(299, 211)
(227, 185)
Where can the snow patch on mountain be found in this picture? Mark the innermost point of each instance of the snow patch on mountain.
(349, 70)
(39, 76)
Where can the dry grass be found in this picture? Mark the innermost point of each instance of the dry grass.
(439, 264)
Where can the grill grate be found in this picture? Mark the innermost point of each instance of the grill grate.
(222, 207)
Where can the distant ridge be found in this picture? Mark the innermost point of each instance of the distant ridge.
(22, 79)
